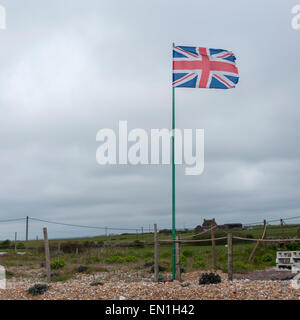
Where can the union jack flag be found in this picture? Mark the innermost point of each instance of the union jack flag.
(196, 67)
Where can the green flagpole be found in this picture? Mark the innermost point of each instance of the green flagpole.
(173, 185)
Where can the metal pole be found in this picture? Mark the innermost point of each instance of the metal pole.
(173, 192)
(173, 185)
(15, 241)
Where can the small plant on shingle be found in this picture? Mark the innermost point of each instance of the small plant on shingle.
(81, 269)
(38, 289)
(131, 259)
(209, 278)
(199, 264)
(57, 264)
(293, 246)
(267, 257)
(160, 268)
(96, 283)
(188, 253)
(149, 264)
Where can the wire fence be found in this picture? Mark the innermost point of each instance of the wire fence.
(81, 230)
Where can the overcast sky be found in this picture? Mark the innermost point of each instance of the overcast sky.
(69, 68)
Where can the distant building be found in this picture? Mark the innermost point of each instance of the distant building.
(206, 225)
(209, 223)
(231, 226)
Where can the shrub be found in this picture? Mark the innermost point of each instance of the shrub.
(209, 278)
(81, 269)
(166, 254)
(131, 259)
(187, 253)
(139, 244)
(267, 257)
(57, 264)
(74, 260)
(160, 268)
(149, 264)
(92, 260)
(222, 258)
(256, 260)
(115, 259)
(5, 244)
(273, 246)
(99, 243)
(61, 277)
(293, 246)
(9, 274)
(183, 260)
(89, 244)
(241, 267)
(199, 264)
(148, 254)
(197, 257)
(70, 247)
(165, 231)
(20, 245)
(96, 283)
(38, 289)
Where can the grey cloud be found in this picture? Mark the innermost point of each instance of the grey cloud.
(70, 68)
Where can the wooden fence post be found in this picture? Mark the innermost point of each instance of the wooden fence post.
(37, 245)
(265, 235)
(213, 248)
(47, 254)
(230, 264)
(257, 243)
(282, 232)
(16, 242)
(177, 253)
(156, 266)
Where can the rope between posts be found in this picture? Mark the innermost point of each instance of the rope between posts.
(234, 237)
(198, 234)
(202, 240)
(267, 240)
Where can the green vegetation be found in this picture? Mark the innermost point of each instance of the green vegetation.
(96, 283)
(62, 277)
(126, 251)
(38, 289)
(57, 264)
(293, 246)
(209, 278)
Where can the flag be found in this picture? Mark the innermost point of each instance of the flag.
(196, 67)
